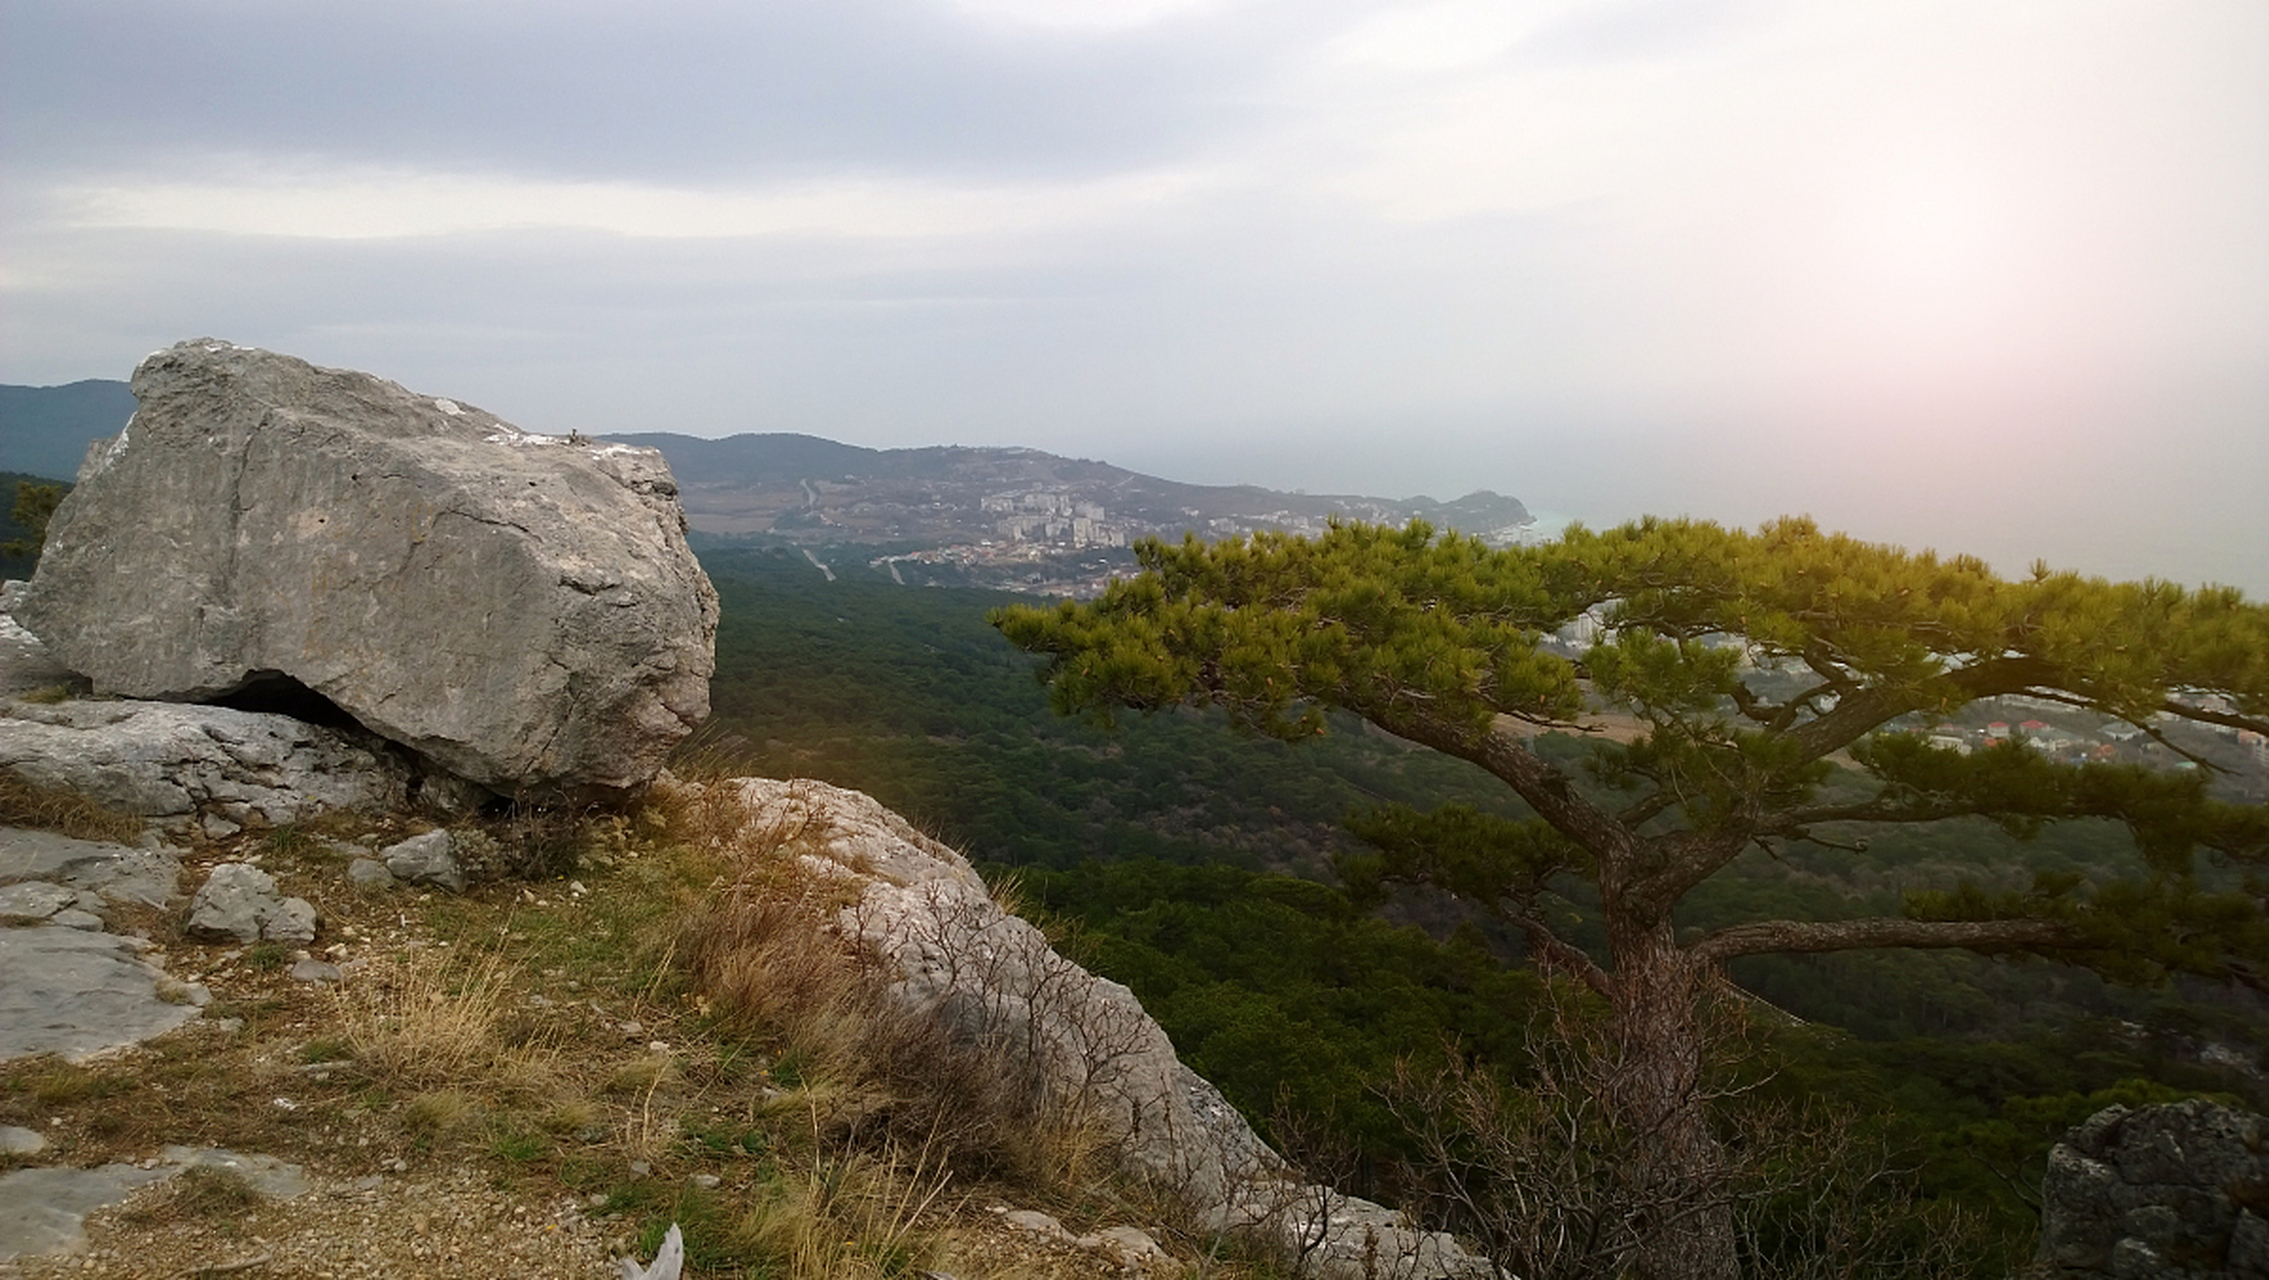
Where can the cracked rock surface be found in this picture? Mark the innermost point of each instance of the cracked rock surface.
(80, 992)
(2165, 1192)
(520, 609)
(67, 987)
(164, 759)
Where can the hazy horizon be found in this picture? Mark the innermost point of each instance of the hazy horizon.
(1984, 277)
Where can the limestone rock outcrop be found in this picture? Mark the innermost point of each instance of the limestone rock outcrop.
(991, 977)
(165, 759)
(519, 608)
(2171, 1192)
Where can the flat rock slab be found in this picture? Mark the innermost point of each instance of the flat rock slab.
(33, 901)
(78, 993)
(118, 873)
(274, 1178)
(161, 759)
(44, 1211)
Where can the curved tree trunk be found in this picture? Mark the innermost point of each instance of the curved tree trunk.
(1678, 1175)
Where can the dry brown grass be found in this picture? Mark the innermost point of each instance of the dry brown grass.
(24, 803)
(765, 948)
(199, 1193)
(851, 1140)
(853, 1214)
(436, 1021)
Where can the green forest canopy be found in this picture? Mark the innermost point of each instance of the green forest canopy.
(905, 693)
(1445, 642)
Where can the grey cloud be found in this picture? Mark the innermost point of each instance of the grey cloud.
(1290, 318)
(665, 91)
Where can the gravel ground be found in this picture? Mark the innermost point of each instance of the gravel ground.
(368, 1226)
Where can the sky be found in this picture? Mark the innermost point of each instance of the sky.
(1986, 276)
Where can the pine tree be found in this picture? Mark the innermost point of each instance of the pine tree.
(1447, 643)
(34, 507)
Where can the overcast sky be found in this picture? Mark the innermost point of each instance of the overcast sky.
(1984, 275)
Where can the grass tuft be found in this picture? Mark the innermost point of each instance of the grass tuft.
(24, 803)
(200, 1194)
(437, 1022)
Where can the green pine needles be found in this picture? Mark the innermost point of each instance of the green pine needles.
(1763, 683)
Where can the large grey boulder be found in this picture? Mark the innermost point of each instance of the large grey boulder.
(167, 759)
(950, 952)
(2169, 1192)
(520, 608)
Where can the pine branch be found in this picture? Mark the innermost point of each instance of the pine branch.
(1784, 936)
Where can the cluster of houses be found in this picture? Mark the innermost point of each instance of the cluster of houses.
(2109, 741)
(2049, 740)
(1040, 516)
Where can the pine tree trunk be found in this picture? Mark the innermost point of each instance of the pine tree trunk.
(1677, 1174)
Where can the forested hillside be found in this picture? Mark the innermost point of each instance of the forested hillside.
(44, 431)
(1195, 864)
(906, 693)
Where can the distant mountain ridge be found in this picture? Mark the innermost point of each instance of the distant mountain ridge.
(44, 431)
(814, 490)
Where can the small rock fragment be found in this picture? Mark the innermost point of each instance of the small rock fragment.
(1132, 1247)
(1036, 1222)
(369, 873)
(240, 901)
(427, 859)
(312, 970)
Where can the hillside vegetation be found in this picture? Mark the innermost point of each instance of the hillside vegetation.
(1196, 866)
(536, 1076)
